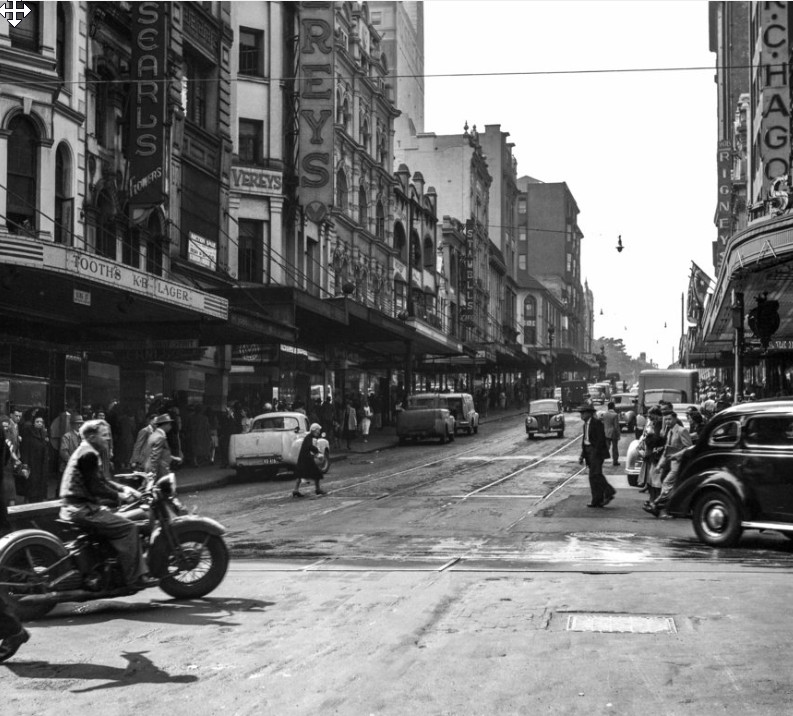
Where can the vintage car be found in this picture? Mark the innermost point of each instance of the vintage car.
(545, 416)
(426, 415)
(633, 459)
(272, 443)
(625, 405)
(739, 474)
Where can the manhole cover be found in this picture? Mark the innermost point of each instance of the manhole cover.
(621, 623)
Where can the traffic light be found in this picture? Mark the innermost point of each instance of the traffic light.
(764, 319)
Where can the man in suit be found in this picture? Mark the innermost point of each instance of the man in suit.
(594, 450)
(157, 454)
(611, 424)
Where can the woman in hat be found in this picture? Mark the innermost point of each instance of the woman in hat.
(307, 468)
(35, 453)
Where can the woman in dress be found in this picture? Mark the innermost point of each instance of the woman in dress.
(366, 419)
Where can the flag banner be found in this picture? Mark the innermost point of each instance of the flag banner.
(701, 282)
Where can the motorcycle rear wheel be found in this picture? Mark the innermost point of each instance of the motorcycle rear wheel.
(200, 570)
(22, 564)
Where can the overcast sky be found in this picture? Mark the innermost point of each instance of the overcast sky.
(637, 149)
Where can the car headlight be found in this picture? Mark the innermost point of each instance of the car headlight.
(530, 422)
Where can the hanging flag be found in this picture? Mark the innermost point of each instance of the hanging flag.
(701, 282)
(698, 284)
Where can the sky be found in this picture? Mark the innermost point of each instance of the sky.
(636, 148)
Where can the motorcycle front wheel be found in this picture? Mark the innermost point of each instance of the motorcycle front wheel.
(196, 567)
(21, 568)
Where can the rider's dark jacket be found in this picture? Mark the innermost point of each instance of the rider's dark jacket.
(83, 482)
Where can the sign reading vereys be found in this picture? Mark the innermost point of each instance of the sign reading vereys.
(316, 57)
(149, 101)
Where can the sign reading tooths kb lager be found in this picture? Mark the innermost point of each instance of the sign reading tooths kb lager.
(149, 100)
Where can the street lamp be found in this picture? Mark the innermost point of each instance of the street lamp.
(551, 331)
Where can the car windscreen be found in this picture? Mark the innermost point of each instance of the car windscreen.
(544, 406)
(653, 397)
(275, 423)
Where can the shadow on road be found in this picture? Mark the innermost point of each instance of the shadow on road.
(214, 611)
(139, 670)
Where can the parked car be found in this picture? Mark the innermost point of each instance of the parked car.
(625, 405)
(272, 443)
(545, 416)
(596, 394)
(461, 406)
(739, 474)
(426, 415)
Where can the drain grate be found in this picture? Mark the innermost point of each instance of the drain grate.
(621, 624)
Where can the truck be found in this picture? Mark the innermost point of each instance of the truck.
(574, 393)
(425, 415)
(673, 385)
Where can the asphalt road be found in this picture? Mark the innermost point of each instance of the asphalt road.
(460, 579)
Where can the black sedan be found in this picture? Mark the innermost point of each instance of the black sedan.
(545, 417)
(739, 474)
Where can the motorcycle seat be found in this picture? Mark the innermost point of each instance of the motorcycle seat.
(73, 528)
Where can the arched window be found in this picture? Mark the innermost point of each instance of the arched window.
(429, 254)
(530, 321)
(64, 201)
(61, 46)
(415, 248)
(27, 33)
(102, 109)
(106, 227)
(400, 242)
(342, 200)
(363, 207)
(22, 178)
(380, 221)
(400, 296)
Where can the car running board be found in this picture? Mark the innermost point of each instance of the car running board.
(779, 526)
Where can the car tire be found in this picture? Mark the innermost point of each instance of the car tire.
(445, 437)
(470, 431)
(476, 428)
(560, 434)
(717, 519)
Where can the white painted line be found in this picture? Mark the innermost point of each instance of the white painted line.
(498, 497)
(499, 457)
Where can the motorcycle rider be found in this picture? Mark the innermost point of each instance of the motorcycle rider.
(83, 489)
(12, 633)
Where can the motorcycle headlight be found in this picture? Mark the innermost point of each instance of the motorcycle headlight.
(167, 484)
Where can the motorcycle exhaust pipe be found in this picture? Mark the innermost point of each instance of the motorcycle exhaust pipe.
(70, 595)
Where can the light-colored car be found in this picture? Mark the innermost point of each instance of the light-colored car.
(545, 416)
(273, 442)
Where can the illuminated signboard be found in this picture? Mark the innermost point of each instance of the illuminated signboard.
(315, 90)
(149, 101)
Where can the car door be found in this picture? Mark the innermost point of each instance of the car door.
(296, 428)
(767, 463)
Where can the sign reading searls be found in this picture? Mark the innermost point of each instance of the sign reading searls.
(149, 102)
(202, 251)
(315, 90)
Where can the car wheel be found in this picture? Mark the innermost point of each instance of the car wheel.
(560, 434)
(717, 519)
(476, 429)
(470, 431)
(445, 437)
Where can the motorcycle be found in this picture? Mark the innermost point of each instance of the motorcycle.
(187, 553)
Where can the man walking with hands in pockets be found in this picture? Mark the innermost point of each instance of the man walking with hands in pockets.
(594, 450)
